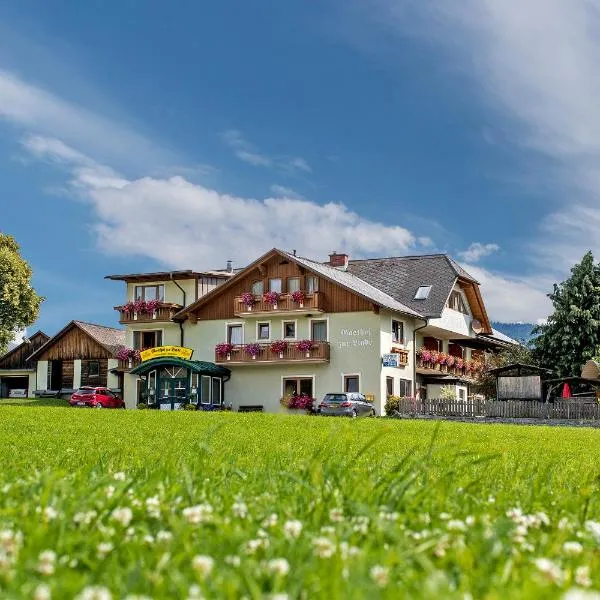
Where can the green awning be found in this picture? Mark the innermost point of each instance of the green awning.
(195, 366)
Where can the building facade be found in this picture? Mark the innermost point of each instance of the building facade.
(18, 373)
(286, 326)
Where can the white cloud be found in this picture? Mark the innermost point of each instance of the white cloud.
(299, 164)
(281, 191)
(510, 299)
(476, 251)
(244, 150)
(17, 339)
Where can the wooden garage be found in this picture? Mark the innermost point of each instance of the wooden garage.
(17, 370)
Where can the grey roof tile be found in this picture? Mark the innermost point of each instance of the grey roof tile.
(109, 337)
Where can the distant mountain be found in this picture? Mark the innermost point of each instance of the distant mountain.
(517, 331)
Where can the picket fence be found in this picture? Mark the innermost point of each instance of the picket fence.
(523, 409)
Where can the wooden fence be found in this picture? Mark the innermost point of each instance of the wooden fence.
(515, 409)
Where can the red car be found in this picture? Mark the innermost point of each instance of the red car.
(96, 397)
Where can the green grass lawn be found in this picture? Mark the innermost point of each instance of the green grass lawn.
(33, 402)
(190, 505)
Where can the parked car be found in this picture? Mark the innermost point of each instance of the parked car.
(96, 397)
(346, 404)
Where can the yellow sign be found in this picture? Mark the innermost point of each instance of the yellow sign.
(166, 351)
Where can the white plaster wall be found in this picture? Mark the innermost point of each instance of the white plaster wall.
(453, 321)
(130, 390)
(32, 383)
(76, 373)
(42, 375)
(434, 390)
(112, 380)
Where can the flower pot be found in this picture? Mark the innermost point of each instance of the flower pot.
(154, 314)
(130, 362)
(135, 316)
(308, 354)
(301, 304)
(275, 306)
(281, 355)
(254, 357)
(228, 356)
(249, 307)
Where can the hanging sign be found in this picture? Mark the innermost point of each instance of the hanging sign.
(166, 351)
(391, 360)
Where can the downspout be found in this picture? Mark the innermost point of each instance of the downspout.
(184, 305)
(426, 322)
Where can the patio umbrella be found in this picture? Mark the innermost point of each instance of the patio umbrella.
(566, 392)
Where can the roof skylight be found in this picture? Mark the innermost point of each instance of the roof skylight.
(423, 292)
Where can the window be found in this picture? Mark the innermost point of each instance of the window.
(423, 292)
(312, 284)
(194, 390)
(398, 331)
(258, 288)
(275, 285)
(289, 330)
(405, 388)
(293, 284)
(389, 385)
(456, 302)
(235, 334)
(351, 383)
(93, 368)
(461, 394)
(146, 339)
(455, 350)
(318, 331)
(293, 386)
(206, 388)
(150, 292)
(263, 331)
(216, 391)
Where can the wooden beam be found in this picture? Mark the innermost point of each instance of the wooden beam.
(193, 318)
(261, 268)
(376, 308)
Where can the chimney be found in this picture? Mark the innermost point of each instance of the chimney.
(339, 261)
(229, 267)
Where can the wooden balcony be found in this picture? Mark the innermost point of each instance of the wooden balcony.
(313, 303)
(163, 313)
(239, 356)
(127, 365)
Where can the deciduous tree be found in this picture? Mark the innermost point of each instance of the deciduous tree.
(19, 303)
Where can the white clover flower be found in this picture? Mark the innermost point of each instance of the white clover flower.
(11, 541)
(136, 502)
(579, 594)
(122, 515)
(203, 565)
(347, 551)
(195, 593)
(279, 596)
(549, 569)
(583, 577)
(119, 476)
(323, 547)
(42, 592)
(85, 518)
(456, 526)
(515, 514)
(136, 597)
(103, 549)
(361, 524)
(440, 549)
(240, 509)
(292, 529)
(262, 533)
(46, 562)
(278, 566)
(445, 516)
(201, 513)
(328, 530)
(470, 520)
(270, 521)
(252, 546)
(233, 560)
(109, 491)
(153, 507)
(564, 523)
(164, 536)
(572, 548)
(423, 517)
(380, 575)
(384, 515)
(94, 592)
(336, 515)
(50, 513)
(148, 539)
(593, 527)
(73, 563)
(542, 519)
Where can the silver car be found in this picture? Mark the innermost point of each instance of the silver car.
(346, 404)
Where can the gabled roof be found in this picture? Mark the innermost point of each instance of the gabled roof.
(109, 338)
(400, 277)
(37, 334)
(342, 278)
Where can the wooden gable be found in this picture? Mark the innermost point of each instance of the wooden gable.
(17, 357)
(476, 304)
(220, 304)
(71, 344)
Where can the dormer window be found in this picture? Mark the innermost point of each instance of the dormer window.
(423, 292)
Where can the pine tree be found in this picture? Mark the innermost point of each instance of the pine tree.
(572, 334)
(19, 304)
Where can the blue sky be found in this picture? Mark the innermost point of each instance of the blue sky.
(140, 136)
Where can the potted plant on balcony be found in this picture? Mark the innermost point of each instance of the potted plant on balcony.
(253, 350)
(305, 346)
(248, 300)
(279, 347)
(224, 349)
(151, 307)
(129, 309)
(450, 362)
(460, 363)
(298, 298)
(128, 355)
(139, 306)
(271, 298)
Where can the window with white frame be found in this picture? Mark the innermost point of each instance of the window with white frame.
(318, 330)
(405, 388)
(397, 331)
(275, 285)
(235, 333)
(258, 287)
(312, 284)
(263, 330)
(352, 383)
(389, 386)
(150, 292)
(289, 330)
(293, 284)
(456, 302)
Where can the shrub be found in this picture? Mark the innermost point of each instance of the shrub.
(448, 392)
(189, 406)
(392, 404)
(142, 405)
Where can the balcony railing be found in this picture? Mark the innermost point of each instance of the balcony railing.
(127, 365)
(285, 304)
(239, 355)
(164, 312)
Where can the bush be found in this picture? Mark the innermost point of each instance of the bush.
(142, 405)
(392, 404)
(189, 406)
(448, 392)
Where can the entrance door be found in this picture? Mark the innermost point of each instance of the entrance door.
(173, 388)
(56, 374)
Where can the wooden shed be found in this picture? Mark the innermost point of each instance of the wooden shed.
(79, 354)
(17, 370)
(520, 382)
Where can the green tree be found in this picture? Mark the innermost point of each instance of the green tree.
(572, 334)
(19, 304)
